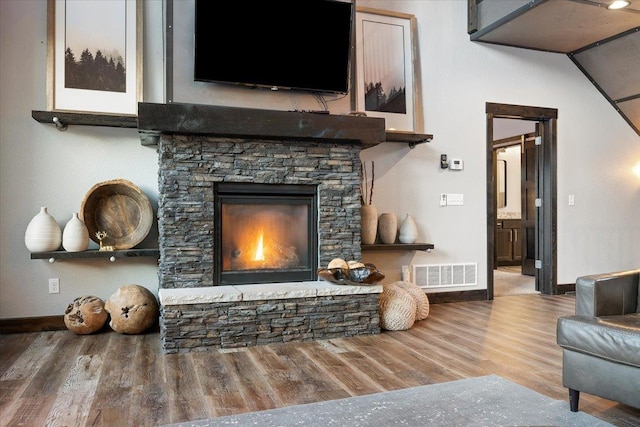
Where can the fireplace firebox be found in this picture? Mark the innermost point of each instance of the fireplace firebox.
(265, 233)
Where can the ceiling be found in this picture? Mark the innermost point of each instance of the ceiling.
(603, 43)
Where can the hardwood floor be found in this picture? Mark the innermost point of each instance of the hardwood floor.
(108, 379)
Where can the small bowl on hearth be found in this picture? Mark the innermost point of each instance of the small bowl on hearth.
(367, 275)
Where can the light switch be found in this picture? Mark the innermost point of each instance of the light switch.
(455, 199)
(572, 199)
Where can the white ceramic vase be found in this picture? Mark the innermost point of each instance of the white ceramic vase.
(43, 233)
(388, 228)
(408, 230)
(368, 224)
(75, 236)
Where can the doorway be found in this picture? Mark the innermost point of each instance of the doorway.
(538, 195)
(514, 272)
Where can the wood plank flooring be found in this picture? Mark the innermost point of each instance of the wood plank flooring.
(108, 379)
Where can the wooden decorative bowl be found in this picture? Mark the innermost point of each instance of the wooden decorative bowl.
(119, 208)
(368, 275)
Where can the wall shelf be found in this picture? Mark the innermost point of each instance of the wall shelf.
(398, 247)
(111, 255)
(62, 119)
(410, 138)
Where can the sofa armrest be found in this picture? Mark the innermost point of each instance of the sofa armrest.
(607, 294)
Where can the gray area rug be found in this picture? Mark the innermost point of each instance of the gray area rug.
(483, 401)
(506, 283)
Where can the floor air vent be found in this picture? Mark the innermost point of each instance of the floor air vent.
(445, 275)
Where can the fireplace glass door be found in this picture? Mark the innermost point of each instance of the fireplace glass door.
(265, 233)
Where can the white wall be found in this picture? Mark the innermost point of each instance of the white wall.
(596, 149)
(40, 166)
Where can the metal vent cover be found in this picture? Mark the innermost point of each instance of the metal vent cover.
(445, 275)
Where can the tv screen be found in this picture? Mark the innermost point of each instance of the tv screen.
(279, 44)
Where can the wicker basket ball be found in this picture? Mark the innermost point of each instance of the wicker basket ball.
(397, 308)
(422, 300)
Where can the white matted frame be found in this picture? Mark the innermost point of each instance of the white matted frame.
(388, 82)
(106, 34)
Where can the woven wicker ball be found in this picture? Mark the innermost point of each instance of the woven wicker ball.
(422, 300)
(397, 308)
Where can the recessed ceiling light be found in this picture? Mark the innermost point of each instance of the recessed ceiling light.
(618, 4)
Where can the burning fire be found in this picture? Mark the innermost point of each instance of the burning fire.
(259, 256)
(262, 237)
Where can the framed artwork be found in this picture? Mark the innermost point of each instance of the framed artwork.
(387, 82)
(94, 56)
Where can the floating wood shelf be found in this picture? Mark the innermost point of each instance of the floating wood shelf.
(227, 121)
(398, 247)
(410, 138)
(62, 119)
(111, 255)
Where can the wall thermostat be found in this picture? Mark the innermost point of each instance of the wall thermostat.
(456, 164)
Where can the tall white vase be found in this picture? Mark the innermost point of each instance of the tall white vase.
(75, 236)
(43, 233)
(408, 230)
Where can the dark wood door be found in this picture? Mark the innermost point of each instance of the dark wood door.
(528, 195)
(504, 245)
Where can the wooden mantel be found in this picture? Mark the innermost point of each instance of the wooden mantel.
(214, 120)
(237, 122)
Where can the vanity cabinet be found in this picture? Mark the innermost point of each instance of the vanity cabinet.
(508, 243)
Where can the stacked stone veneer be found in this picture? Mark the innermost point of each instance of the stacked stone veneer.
(247, 315)
(188, 168)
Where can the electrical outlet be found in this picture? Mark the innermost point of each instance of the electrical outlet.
(54, 286)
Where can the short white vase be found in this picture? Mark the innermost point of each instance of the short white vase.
(408, 230)
(75, 236)
(43, 234)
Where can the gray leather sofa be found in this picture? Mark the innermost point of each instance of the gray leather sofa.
(601, 342)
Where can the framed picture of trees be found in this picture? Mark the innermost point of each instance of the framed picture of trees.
(94, 56)
(387, 82)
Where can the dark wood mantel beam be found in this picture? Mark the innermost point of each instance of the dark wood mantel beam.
(236, 122)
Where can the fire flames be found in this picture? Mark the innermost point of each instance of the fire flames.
(259, 247)
(262, 239)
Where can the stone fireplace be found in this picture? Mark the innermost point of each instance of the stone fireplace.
(207, 153)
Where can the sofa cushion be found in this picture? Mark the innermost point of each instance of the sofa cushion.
(615, 338)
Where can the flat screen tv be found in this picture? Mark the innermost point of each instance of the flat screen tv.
(277, 44)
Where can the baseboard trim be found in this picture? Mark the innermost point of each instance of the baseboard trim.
(458, 296)
(565, 288)
(32, 324)
(56, 323)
